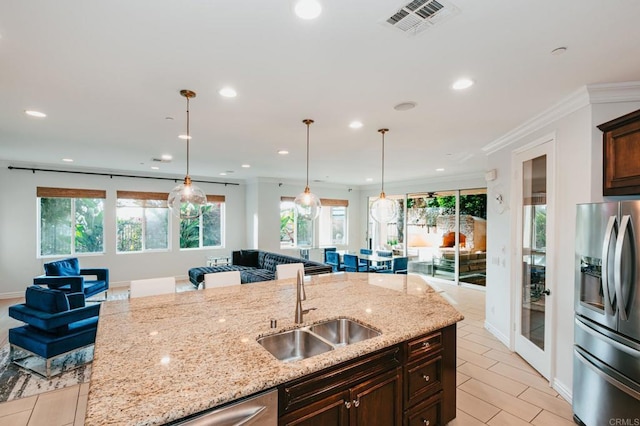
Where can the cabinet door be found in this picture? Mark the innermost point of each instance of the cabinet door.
(377, 402)
(332, 410)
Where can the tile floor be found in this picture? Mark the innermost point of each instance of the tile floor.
(495, 386)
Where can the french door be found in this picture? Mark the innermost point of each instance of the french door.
(533, 263)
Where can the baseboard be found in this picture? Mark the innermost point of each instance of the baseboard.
(498, 334)
(564, 390)
(12, 295)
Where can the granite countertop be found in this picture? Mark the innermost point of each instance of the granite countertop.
(161, 358)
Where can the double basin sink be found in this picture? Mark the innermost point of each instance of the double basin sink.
(305, 342)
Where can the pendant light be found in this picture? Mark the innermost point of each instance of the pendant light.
(186, 200)
(383, 210)
(307, 204)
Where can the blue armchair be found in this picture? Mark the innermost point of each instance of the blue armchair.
(66, 275)
(57, 323)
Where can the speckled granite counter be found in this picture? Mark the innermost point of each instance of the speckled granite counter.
(161, 358)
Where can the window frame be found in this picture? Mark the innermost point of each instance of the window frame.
(144, 196)
(211, 200)
(72, 194)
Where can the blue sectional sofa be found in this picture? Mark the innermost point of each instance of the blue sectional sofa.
(257, 265)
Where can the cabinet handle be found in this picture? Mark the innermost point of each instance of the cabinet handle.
(426, 422)
(347, 404)
(425, 377)
(356, 402)
(426, 344)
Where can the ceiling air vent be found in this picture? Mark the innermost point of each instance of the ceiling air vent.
(160, 160)
(419, 15)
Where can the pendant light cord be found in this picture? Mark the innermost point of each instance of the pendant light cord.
(188, 136)
(383, 131)
(308, 122)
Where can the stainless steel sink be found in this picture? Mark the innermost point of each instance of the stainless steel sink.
(306, 342)
(343, 331)
(294, 345)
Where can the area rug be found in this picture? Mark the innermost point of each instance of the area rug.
(16, 382)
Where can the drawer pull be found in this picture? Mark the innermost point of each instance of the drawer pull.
(425, 377)
(347, 404)
(356, 402)
(426, 422)
(426, 344)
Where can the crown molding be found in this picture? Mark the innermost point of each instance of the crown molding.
(584, 96)
(614, 92)
(575, 101)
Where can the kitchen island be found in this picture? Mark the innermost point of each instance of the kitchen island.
(161, 358)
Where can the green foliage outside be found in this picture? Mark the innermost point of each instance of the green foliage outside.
(190, 229)
(56, 226)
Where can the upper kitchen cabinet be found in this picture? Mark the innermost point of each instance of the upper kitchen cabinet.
(621, 160)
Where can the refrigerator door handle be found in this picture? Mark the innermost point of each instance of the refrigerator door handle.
(604, 276)
(603, 374)
(617, 272)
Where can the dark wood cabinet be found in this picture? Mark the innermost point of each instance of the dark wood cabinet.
(412, 383)
(621, 155)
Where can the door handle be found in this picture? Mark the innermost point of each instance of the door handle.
(604, 276)
(547, 292)
(617, 272)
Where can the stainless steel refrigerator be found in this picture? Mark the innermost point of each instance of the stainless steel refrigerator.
(606, 366)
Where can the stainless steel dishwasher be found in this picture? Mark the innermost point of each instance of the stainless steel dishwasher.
(259, 410)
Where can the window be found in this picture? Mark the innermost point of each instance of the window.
(71, 221)
(296, 232)
(142, 222)
(205, 231)
(333, 222)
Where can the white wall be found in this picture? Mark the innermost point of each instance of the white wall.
(578, 148)
(18, 229)
(265, 193)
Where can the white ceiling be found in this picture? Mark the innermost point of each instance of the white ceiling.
(108, 72)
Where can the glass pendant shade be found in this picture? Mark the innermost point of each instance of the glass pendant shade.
(383, 210)
(186, 200)
(307, 204)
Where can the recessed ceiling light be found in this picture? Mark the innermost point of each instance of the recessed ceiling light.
(283, 152)
(223, 174)
(246, 166)
(68, 160)
(405, 106)
(462, 83)
(558, 51)
(355, 124)
(168, 118)
(155, 168)
(228, 92)
(33, 113)
(184, 137)
(440, 169)
(307, 9)
(167, 157)
(369, 179)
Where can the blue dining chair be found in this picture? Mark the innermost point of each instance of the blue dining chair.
(400, 265)
(385, 253)
(333, 259)
(327, 250)
(363, 262)
(351, 263)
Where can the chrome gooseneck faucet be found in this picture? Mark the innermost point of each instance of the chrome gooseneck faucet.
(300, 296)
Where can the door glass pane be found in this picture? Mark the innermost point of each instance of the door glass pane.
(473, 230)
(534, 234)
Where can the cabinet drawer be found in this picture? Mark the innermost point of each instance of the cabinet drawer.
(424, 346)
(428, 413)
(422, 379)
